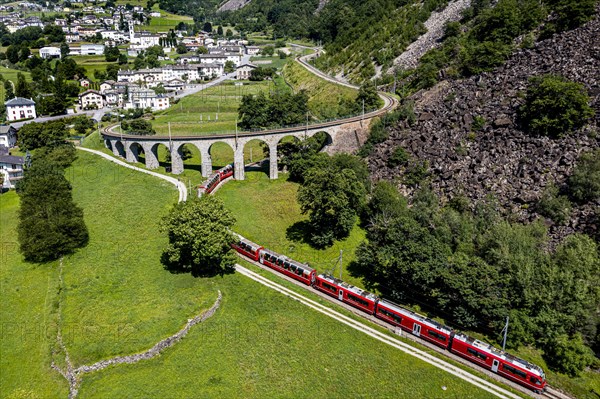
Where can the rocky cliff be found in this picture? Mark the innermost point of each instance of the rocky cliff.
(500, 158)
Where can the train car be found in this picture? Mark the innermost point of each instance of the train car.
(498, 361)
(209, 185)
(225, 172)
(347, 293)
(248, 248)
(419, 325)
(296, 270)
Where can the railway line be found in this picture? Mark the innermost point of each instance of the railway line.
(550, 392)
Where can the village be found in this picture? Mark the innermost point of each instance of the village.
(188, 61)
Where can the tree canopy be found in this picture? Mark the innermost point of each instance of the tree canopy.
(200, 238)
(35, 135)
(473, 269)
(555, 106)
(50, 223)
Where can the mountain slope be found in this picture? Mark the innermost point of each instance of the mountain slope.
(500, 158)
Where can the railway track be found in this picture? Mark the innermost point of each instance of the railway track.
(389, 103)
(550, 392)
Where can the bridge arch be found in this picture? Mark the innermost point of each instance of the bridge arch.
(119, 149)
(188, 155)
(133, 151)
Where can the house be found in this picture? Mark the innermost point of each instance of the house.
(174, 84)
(20, 108)
(91, 99)
(8, 136)
(252, 50)
(84, 82)
(139, 97)
(92, 49)
(107, 85)
(50, 52)
(113, 97)
(243, 71)
(11, 167)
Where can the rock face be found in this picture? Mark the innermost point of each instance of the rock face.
(469, 133)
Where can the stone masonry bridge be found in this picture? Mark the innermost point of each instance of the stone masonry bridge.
(128, 146)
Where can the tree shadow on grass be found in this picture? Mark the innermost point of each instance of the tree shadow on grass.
(299, 232)
(205, 271)
(304, 232)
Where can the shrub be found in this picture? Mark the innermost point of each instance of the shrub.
(399, 157)
(554, 206)
(555, 106)
(584, 183)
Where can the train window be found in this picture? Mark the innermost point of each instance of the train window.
(299, 271)
(476, 354)
(535, 381)
(328, 286)
(391, 315)
(513, 370)
(437, 335)
(358, 300)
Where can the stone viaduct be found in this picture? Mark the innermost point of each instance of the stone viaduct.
(128, 146)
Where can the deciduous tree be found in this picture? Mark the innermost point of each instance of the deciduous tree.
(200, 238)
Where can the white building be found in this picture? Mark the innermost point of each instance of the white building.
(252, 50)
(243, 71)
(91, 99)
(12, 169)
(20, 108)
(92, 49)
(139, 97)
(50, 52)
(8, 136)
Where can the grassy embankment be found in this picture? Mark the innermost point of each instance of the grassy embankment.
(118, 299)
(325, 97)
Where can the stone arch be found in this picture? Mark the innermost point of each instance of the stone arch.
(158, 156)
(328, 138)
(133, 151)
(108, 144)
(256, 150)
(119, 149)
(222, 153)
(286, 146)
(190, 157)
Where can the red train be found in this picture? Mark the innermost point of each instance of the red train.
(213, 180)
(496, 360)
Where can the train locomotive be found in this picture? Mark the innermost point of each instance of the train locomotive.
(213, 180)
(474, 350)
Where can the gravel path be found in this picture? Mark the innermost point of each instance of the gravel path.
(435, 30)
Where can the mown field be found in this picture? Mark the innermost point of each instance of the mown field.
(117, 299)
(10, 74)
(324, 97)
(209, 111)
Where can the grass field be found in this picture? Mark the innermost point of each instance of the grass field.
(11, 74)
(324, 96)
(118, 299)
(274, 209)
(211, 110)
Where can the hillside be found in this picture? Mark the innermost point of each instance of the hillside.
(468, 132)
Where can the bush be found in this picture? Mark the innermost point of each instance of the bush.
(140, 127)
(554, 206)
(399, 157)
(569, 354)
(584, 183)
(555, 106)
(416, 173)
